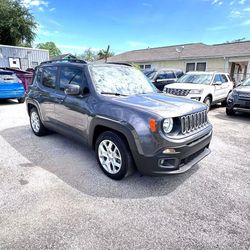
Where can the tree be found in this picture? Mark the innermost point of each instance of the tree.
(51, 47)
(17, 24)
(88, 55)
(105, 54)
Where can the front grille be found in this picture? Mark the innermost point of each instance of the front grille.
(179, 92)
(193, 122)
(244, 96)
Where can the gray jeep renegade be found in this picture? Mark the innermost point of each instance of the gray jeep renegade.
(121, 115)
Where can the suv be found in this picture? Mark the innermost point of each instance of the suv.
(120, 115)
(162, 77)
(239, 98)
(207, 87)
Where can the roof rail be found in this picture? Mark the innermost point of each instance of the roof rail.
(65, 61)
(126, 64)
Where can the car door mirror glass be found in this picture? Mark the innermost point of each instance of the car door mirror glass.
(72, 89)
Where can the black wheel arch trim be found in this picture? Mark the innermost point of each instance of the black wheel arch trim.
(34, 103)
(120, 126)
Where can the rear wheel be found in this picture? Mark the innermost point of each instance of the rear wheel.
(113, 155)
(21, 100)
(208, 102)
(36, 124)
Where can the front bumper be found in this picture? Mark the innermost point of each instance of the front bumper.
(184, 157)
(239, 105)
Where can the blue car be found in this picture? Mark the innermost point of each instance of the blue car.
(11, 87)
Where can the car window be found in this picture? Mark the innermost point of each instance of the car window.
(70, 75)
(49, 76)
(150, 75)
(217, 78)
(38, 76)
(165, 75)
(196, 79)
(224, 78)
(8, 77)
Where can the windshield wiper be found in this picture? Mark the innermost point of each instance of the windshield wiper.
(112, 93)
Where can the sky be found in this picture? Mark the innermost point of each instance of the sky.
(77, 25)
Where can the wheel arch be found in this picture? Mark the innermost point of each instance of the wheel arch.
(100, 124)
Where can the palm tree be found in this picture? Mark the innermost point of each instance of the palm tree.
(105, 54)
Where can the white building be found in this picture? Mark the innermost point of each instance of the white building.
(21, 57)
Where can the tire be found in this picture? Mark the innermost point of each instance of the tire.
(230, 112)
(21, 100)
(116, 162)
(224, 103)
(208, 102)
(36, 124)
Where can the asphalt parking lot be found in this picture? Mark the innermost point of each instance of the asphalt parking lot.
(54, 196)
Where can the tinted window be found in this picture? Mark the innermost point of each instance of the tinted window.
(150, 75)
(166, 75)
(224, 78)
(147, 66)
(49, 76)
(70, 75)
(38, 75)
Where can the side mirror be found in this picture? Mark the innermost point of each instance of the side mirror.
(218, 83)
(72, 89)
(85, 91)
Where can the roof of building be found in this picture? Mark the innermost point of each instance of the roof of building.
(185, 51)
(18, 47)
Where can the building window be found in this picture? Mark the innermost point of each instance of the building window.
(190, 67)
(201, 66)
(196, 66)
(145, 66)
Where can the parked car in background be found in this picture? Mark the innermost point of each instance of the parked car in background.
(162, 77)
(121, 115)
(207, 87)
(11, 86)
(239, 98)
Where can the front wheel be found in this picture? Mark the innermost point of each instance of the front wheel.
(208, 102)
(36, 124)
(113, 155)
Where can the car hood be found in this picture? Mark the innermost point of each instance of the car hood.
(161, 104)
(243, 89)
(186, 86)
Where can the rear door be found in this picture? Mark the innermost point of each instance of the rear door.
(72, 111)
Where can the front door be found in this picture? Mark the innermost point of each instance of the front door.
(72, 111)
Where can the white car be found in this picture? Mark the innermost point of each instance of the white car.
(206, 87)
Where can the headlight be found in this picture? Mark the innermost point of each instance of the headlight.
(196, 91)
(167, 125)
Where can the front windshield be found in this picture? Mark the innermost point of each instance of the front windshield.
(246, 83)
(196, 78)
(119, 79)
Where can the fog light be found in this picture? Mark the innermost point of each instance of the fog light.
(169, 151)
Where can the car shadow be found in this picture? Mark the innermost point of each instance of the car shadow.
(75, 164)
(4, 102)
(239, 116)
